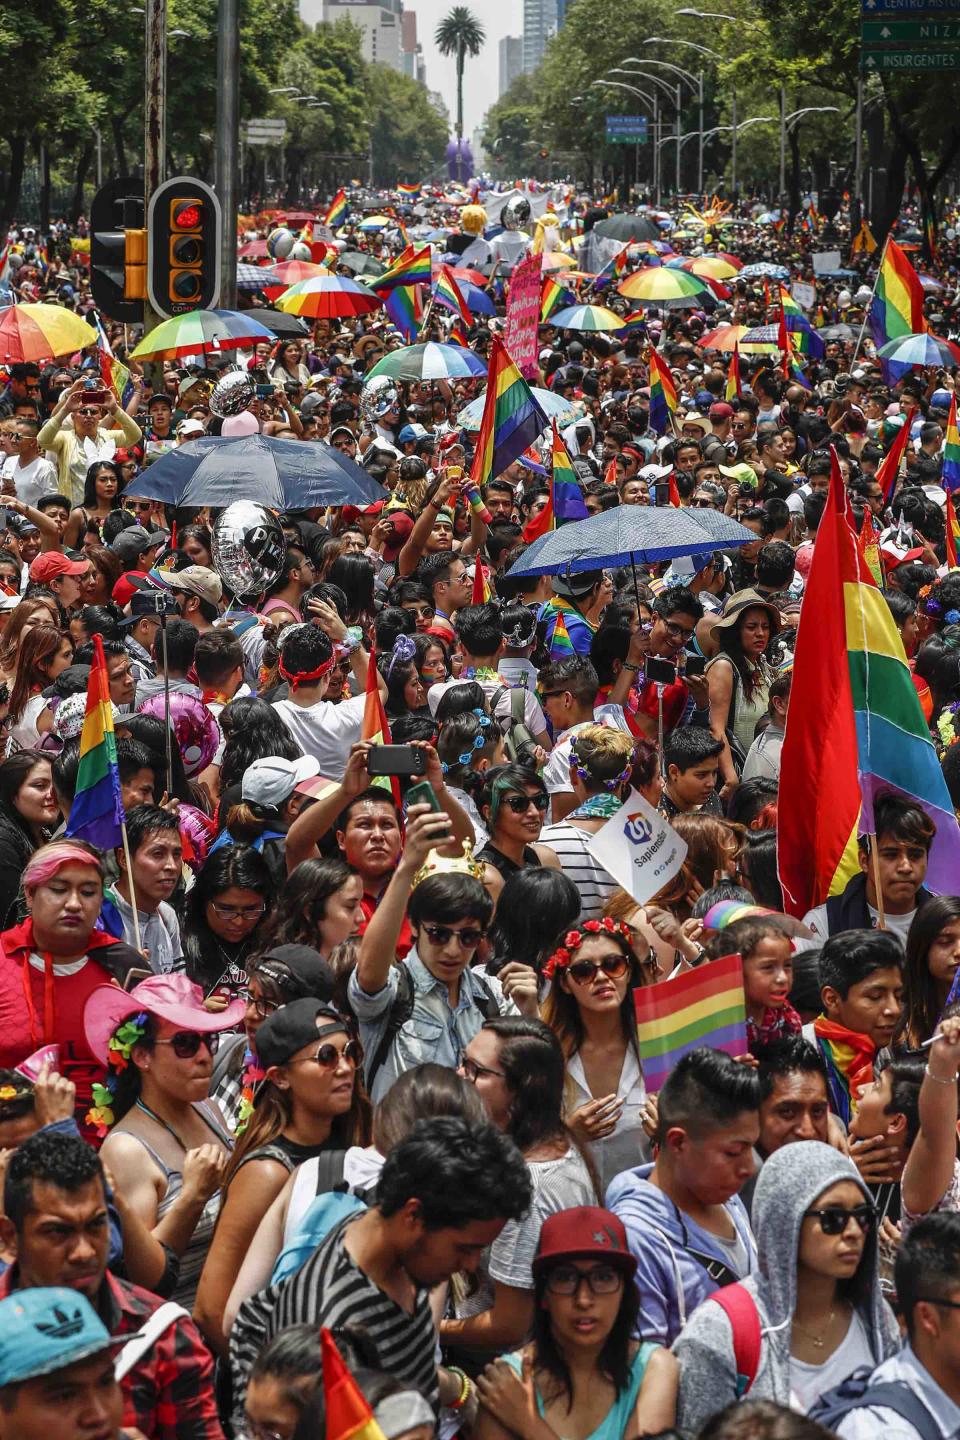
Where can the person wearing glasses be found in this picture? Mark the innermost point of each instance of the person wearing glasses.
(587, 1371)
(815, 1292)
(311, 1099)
(514, 803)
(166, 1142)
(98, 427)
(223, 919)
(26, 471)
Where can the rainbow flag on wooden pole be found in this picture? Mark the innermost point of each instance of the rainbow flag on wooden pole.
(663, 395)
(511, 421)
(566, 500)
(337, 209)
(705, 1006)
(950, 474)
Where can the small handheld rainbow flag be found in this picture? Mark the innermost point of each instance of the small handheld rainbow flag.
(375, 725)
(663, 394)
(950, 475)
(511, 421)
(635, 324)
(566, 501)
(96, 814)
(613, 270)
(888, 471)
(553, 297)
(733, 390)
(457, 335)
(404, 308)
(446, 292)
(410, 191)
(953, 534)
(784, 344)
(560, 645)
(115, 374)
(703, 1007)
(411, 267)
(348, 1413)
(481, 584)
(337, 209)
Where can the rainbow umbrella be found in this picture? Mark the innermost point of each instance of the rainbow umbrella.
(656, 286)
(376, 222)
(290, 271)
(557, 260)
(708, 267)
(728, 338)
(201, 331)
(429, 362)
(41, 332)
(328, 297)
(586, 317)
(916, 352)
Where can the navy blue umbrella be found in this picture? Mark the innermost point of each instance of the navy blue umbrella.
(629, 535)
(281, 474)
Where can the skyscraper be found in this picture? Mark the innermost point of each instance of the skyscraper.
(511, 61)
(539, 22)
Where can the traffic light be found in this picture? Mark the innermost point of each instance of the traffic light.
(183, 226)
(118, 250)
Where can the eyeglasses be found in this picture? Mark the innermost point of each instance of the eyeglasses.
(472, 1070)
(702, 504)
(680, 632)
(613, 965)
(600, 1280)
(468, 938)
(88, 412)
(519, 804)
(552, 695)
(263, 1008)
(328, 1057)
(834, 1219)
(186, 1043)
(944, 1304)
(237, 912)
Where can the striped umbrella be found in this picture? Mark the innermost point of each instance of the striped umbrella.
(586, 317)
(328, 297)
(201, 331)
(708, 267)
(731, 337)
(290, 271)
(41, 332)
(655, 286)
(915, 352)
(429, 362)
(555, 407)
(257, 277)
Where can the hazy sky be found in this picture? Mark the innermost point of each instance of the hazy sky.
(499, 17)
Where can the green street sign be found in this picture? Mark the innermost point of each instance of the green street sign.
(912, 32)
(944, 58)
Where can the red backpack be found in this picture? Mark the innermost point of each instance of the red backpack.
(740, 1308)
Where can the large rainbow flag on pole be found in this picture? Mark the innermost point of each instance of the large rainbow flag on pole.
(855, 728)
(96, 814)
(566, 498)
(411, 267)
(897, 305)
(446, 292)
(663, 394)
(703, 1007)
(950, 475)
(512, 419)
(348, 1412)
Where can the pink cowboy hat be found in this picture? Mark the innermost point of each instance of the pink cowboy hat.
(169, 997)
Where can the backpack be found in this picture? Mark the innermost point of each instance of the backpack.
(738, 1305)
(518, 736)
(402, 1009)
(856, 1392)
(330, 1205)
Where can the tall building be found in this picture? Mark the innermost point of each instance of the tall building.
(511, 61)
(539, 23)
(380, 20)
(411, 51)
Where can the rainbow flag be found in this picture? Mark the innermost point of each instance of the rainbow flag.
(348, 1413)
(805, 339)
(953, 534)
(115, 375)
(409, 191)
(481, 584)
(457, 335)
(897, 307)
(613, 270)
(566, 501)
(733, 390)
(663, 394)
(888, 471)
(512, 419)
(96, 814)
(411, 267)
(404, 308)
(560, 644)
(337, 209)
(855, 729)
(797, 373)
(705, 1006)
(950, 475)
(635, 324)
(869, 548)
(552, 297)
(784, 344)
(446, 292)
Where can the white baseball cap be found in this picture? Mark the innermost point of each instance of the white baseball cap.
(272, 781)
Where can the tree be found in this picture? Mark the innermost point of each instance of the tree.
(460, 33)
(407, 136)
(512, 125)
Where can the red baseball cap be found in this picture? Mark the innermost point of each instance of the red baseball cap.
(585, 1232)
(720, 411)
(53, 563)
(128, 584)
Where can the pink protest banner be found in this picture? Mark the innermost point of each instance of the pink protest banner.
(523, 316)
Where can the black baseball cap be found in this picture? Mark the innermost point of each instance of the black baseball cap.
(297, 970)
(293, 1026)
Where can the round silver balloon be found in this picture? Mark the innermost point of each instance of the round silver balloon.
(280, 242)
(515, 213)
(377, 397)
(248, 548)
(232, 393)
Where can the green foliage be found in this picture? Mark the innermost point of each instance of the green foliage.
(512, 126)
(461, 34)
(409, 137)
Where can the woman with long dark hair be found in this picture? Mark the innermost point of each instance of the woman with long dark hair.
(513, 803)
(319, 906)
(355, 576)
(223, 919)
(405, 689)
(930, 967)
(33, 611)
(516, 1064)
(196, 542)
(252, 730)
(96, 587)
(28, 813)
(43, 653)
(738, 679)
(536, 907)
(590, 1377)
(151, 731)
(101, 494)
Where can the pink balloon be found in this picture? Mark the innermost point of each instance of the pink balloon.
(243, 424)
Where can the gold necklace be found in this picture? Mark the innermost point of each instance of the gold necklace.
(818, 1341)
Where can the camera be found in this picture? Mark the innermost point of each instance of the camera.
(660, 670)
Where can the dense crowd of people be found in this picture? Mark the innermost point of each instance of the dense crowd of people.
(304, 1053)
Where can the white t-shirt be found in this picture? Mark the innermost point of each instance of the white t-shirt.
(31, 481)
(898, 925)
(325, 730)
(809, 1382)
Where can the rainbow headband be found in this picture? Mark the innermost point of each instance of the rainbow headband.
(728, 912)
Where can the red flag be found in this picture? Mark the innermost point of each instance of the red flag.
(540, 524)
(348, 1413)
(481, 586)
(375, 725)
(889, 467)
(610, 475)
(672, 492)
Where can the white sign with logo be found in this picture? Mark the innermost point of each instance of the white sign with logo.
(639, 848)
(805, 295)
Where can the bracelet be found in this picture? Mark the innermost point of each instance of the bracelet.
(697, 959)
(937, 1079)
(434, 504)
(466, 1386)
(628, 666)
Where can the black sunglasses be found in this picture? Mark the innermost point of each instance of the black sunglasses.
(328, 1057)
(519, 804)
(834, 1219)
(612, 965)
(186, 1043)
(468, 938)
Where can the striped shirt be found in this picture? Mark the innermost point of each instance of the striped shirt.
(595, 884)
(331, 1290)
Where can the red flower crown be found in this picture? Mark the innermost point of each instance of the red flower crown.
(573, 939)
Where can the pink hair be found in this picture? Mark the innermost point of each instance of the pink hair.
(45, 863)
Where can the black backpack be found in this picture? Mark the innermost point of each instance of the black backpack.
(856, 1393)
(402, 1009)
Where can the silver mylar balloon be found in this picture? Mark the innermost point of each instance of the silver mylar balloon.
(232, 393)
(248, 548)
(515, 213)
(377, 397)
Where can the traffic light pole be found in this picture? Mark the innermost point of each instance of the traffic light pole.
(228, 143)
(155, 123)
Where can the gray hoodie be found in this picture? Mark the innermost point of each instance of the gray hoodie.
(790, 1182)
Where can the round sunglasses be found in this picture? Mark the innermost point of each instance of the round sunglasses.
(186, 1043)
(328, 1057)
(519, 804)
(585, 971)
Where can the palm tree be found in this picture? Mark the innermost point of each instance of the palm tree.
(460, 33)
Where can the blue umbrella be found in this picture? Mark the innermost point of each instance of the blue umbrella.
(281, 474)
(764, 271)
(476, 299)
(627, 535)
(911, 352)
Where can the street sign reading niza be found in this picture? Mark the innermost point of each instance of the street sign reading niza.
(911, 32)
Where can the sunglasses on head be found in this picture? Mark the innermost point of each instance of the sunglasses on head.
(328, 1057)
(468, 938)
(519, 804)
(834, 1219)
(186, 1043)
(613, 965)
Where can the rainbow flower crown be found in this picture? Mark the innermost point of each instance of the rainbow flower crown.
(122, 1041)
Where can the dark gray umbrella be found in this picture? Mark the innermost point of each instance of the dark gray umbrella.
(359, 264)
(629, 227)
(286, 327)
(281, 474)
(843, 333)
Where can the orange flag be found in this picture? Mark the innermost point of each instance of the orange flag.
(349, 1416)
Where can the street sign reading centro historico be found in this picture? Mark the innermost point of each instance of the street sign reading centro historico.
(924, 35)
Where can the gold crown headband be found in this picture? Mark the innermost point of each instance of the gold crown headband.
(465, 864)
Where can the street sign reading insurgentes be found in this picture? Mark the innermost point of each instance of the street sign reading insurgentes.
(942, 58)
